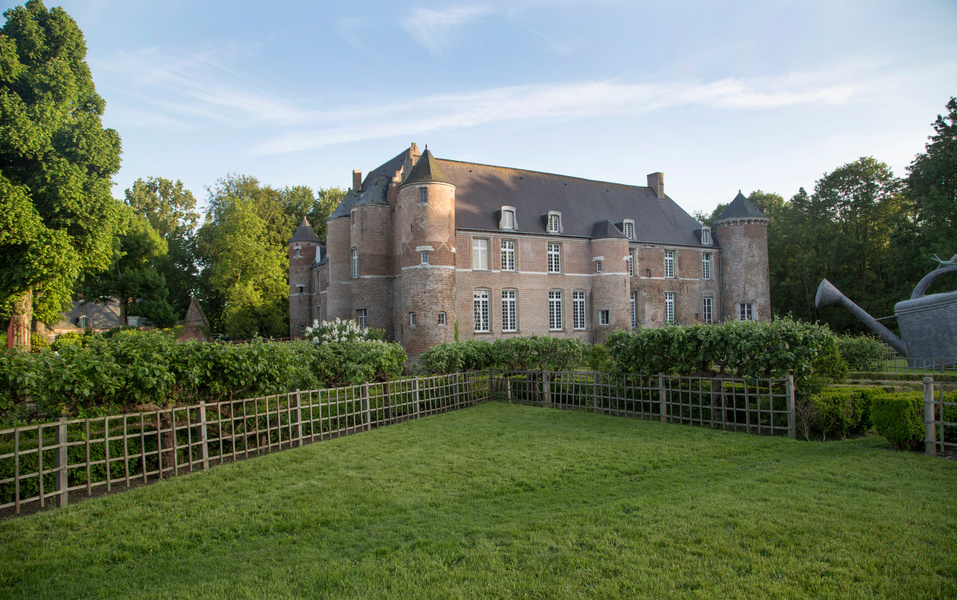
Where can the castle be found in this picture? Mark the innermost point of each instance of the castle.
(434, 250)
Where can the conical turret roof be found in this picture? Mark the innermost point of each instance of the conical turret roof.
(741, 208)
(427, 169)
(305, 233)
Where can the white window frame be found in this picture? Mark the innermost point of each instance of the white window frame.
(508, 221)
(705, 236)
(302, 328)
(554, 257)
(509, 310)
(707, 312)
(598, 267)
(670, 272)
(628, 227)
(425, 257)
(556, 317)
(579, 318)
(411, 319)
(442, 319)
(634, 309)
(604, 317)
(670, 308)
(706, 270)
(508, 255)
(480, 254)
(553, 223)
(480, 311)
(632, 262)
(362, 316)
(746, 311)
(355, 263)
(423, 195)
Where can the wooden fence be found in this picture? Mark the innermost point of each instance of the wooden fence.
(44, 464)
(940, 417)
(763, 406)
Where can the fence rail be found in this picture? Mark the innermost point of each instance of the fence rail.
(940, 417)
(763, 406)
(894, 362)
(44, 464)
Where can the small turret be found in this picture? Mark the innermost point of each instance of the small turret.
(742, 232)
(303, 251)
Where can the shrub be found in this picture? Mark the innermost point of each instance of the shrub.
(862, 353)
(841, 411)
(453, 357)
(899, 418)
(535, 353)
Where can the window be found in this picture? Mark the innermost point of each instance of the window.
(83, 322)
(442, 318)
(361, 317)
(632, 261)
(508, 218)
(604, 317)
(355, 263)
(634, 309)
(598, 267)
(629, 229)
(746, 312)
(480, 306)
(298, 250)
(554, 223)
(706, 265)
(411, 319)
(708, 313)
(578, 310)
(670, 264)
(670, 308)
(705, 236)
(423, 195)
(555, 317)
(479, 254)
(509, 310)
(300, 288)
(302, 328)
(508, 255)
(554, 257)
(425, 257)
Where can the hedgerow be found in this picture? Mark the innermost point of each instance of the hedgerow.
(533, 353)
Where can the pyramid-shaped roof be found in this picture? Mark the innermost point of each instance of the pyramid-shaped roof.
(741, 208)
(305, 233)
(426, 169)
(606, 229)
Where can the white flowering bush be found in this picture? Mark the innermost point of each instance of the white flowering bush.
(338, 331)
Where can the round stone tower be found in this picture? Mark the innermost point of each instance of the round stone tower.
(371, 240)
(424, 230)
(303, 248)
(742, 232)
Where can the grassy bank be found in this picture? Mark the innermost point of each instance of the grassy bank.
(503, 501)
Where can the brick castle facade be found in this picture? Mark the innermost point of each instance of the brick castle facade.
(434, 250)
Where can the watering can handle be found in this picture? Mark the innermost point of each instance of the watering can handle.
(924, 283)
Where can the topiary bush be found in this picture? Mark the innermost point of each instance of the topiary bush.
(862, 353)
(899, 418)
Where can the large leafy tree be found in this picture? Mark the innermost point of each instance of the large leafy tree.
(171, 211)
(57, 161)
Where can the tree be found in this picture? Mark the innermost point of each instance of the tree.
(171, 211)
(56, 166)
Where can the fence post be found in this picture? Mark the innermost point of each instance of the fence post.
(61, 463)
(491, 384)
(662, 398)
(415, 397)
(204, 452)
(930, 427)
(547, 388)
(298, 416)
(594, 390)
(792, 422)
(366, 415)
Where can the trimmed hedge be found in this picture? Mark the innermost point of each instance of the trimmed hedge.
(535, 353)
(900, 419)
(862, 353)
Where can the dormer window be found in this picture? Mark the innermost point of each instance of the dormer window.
(554, 222)
(706, 236)
(628, 228)
(507, 221)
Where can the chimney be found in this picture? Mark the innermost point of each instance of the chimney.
(656, 181)
(357, 179)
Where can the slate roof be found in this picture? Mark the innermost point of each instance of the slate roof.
(741, 208)
(305, 233)
(426, 169)
(606, 229)
(345, 205)
(377, 193)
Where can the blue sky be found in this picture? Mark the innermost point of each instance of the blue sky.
(720, 96)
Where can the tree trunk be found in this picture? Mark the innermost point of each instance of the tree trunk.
(21, 320)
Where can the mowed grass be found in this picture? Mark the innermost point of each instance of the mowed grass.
(504, 501)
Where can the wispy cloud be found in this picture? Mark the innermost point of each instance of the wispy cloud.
(561, 101)
(436, 29)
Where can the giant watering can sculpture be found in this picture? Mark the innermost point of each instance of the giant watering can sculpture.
(928, 324)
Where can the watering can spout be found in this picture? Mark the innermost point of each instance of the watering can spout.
(827, 294)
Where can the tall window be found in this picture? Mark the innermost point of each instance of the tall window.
(508, 255)
(598, 267)
(555, 317)
(361, 317)
(508, 218)
(746, 311)
(355, 263)
(554, 257)
(670, 308)
(425, 257)
(411, 319)
(423, 195)
(632, 261)
(509, 310)
(708, 313)
(629, 229)
(578, 309)
(634, 309)
(442, 318)
(706, 265)
(480, 306)
(705, 236)
(479, 254)
(670, 264)
(554, 222)
(604, 317)
(83, 322)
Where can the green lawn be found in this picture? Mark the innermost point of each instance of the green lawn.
(504, 501)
